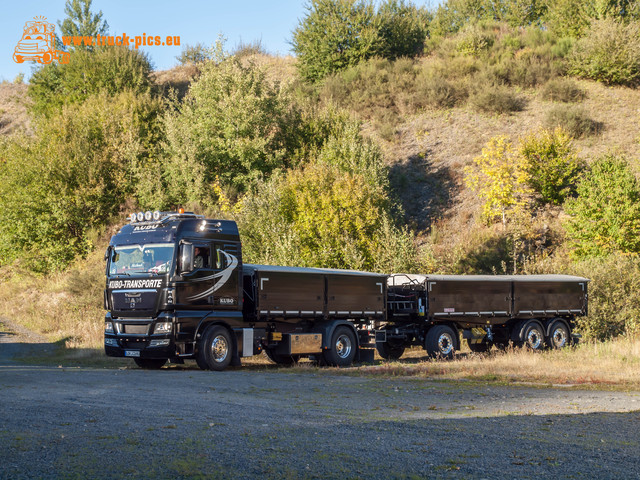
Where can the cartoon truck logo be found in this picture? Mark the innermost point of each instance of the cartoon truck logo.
(38, 43)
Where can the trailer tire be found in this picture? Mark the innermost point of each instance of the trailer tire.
(532, 335)
(441, 342)
(150, 363)
(389, 352)
(216, 348)
(343, 347)
(282, 359)
(559, 335)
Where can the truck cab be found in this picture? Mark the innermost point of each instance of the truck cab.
(169, 274)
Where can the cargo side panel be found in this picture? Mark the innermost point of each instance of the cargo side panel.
(355, 295)
(290, 294)
(549, 298)
(469, 299)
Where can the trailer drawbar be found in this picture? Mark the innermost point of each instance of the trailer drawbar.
(177, 289)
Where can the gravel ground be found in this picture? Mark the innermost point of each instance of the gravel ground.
(265, 423)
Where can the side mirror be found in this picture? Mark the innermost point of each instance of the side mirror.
(185, 261)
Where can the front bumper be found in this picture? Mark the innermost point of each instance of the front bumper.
(134, 337)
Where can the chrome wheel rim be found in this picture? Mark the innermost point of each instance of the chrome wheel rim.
(219, 349)
(343, 346)
(559, 338)
(534, 339)
(445, 344)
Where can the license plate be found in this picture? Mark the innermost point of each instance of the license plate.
(132, 353)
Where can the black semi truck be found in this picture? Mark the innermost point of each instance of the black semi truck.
(177, 289)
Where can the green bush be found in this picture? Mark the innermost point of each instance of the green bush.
(573, 119)
(192, 54)
(338, 34)
(614, 296)
(552, 164)
(605, 216)
(609, 53)
(111, 70)
(233, 125)
(496, 99)
(563, 90)
(71, 179)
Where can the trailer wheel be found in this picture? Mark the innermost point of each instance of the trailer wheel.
(282, 359)
(559, 336)
(343, 348)
(150, 363)
(532, 335)
(216, 348)
(441, 342)
(389, 352)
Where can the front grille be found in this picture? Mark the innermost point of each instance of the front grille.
(136, 329)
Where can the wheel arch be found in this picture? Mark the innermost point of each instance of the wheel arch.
(327, 329)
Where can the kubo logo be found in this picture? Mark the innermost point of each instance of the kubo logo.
(38, 43)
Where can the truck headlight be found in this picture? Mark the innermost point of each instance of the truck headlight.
(112, 342)
(108, 327)
(162, 327)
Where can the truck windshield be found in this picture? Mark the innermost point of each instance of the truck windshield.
(152, 258)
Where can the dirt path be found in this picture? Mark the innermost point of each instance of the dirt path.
(17, 341)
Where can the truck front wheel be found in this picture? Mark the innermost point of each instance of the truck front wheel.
(531, 335)
(216, 348)
(343, 348)
(441, 342)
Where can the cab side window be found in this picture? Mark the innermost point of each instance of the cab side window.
(201, 257)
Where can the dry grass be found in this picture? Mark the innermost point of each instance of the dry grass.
(66, 308)
(612, 364)
(13, 109)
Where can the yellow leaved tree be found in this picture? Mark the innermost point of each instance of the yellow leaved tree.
(500, 178)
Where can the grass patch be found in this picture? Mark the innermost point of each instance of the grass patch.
(614, 364)
(497, 99)
(563, 90)
(574, 119)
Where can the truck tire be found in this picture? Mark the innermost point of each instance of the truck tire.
(343, 348)
(532, 335)
(216, 348)
(559, 335)
(389, 352)
(441, 342)
(150, 363)
(282, 359)
(479, 346)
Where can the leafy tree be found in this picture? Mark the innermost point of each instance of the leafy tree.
(82, 22)
(551, 164)
(82, 165)
(605, 216)
(334, 35)
(106, 69)
(403, 29)
(233, 125)
(501, 180)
